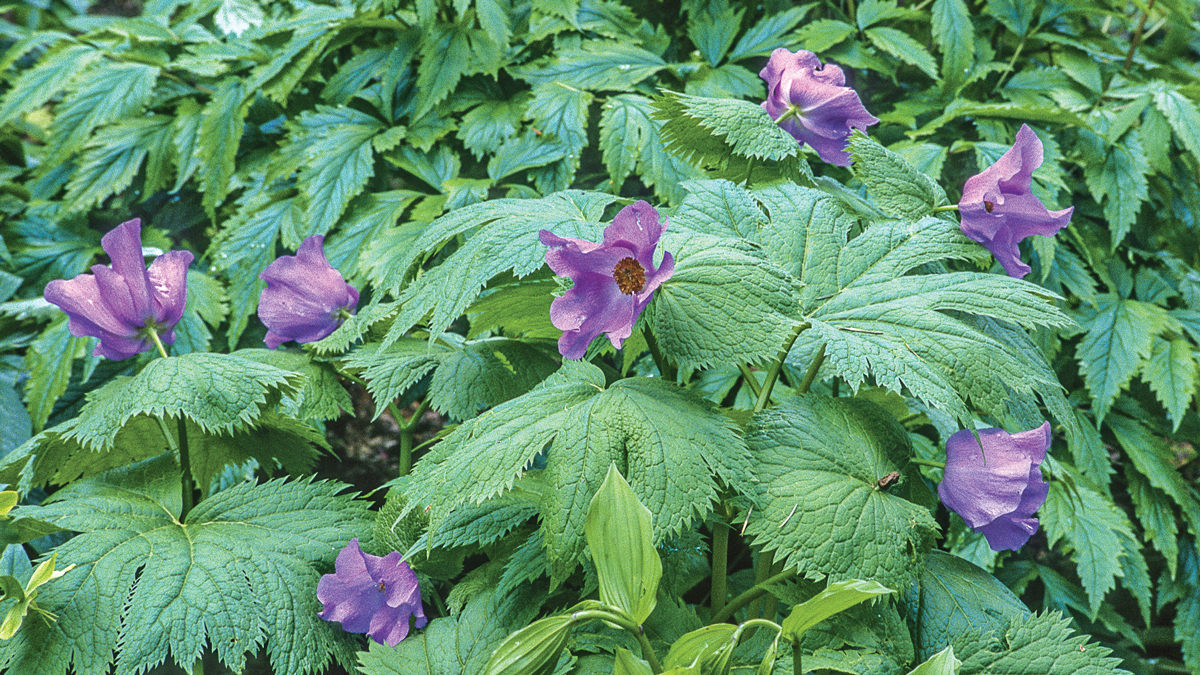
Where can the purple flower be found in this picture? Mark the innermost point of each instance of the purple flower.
(123, 304)
(372, 595)
(305, 299)
(997, 489)
(613, 281)
(812, 103)
(998, 210)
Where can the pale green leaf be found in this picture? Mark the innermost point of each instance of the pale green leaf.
(235, 17)
(834, 598)
(1043, 644)
(49, 361)
(1116, 176)
(1183, 116)
(820, 461)
(1152, 457)
(52, 73)
(952, 29)
(1094, 527)
(941, 663)
(595, 65)
(820, 35)
(903, 47)
(1156, 516)
(769, 34)
(897, 187)
(321, 396)
(114, 157)
(111, 91)
(620, 538)
(1120, 338)
(221, 129)
(630, 140)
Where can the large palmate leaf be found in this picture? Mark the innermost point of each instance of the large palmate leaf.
(239, 573)
(822, 507)
(505, 238)
(673, 445)
(1119, 339)
(1041, 643)
(468, 376)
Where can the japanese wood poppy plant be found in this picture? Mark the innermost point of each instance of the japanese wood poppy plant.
(999, 210)
(614, 280)
(995, 483)
(372, 594)
(305, 298)
(812, 103)
(127, 305)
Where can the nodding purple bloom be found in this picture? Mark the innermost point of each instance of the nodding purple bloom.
(613, 280)
(372, 595)
(998, 209)
(997, 488)
(123, 304)
(812, 103)
(305, 299)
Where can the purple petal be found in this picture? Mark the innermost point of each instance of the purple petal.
(637, 228)
(985, 484)
(168, 283)
(1007, 533)
(593, 306)
(123, 244)
(303, 295)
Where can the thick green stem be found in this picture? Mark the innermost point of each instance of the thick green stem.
(762, 571)
(720, 563)
(668, 371)
(940, 209)
(764, 396)
(185, 469)
(407, 429)
(623, 622)
(770, 601)
(927, 462)
(811, 375)
(755, 592)
(797, 666)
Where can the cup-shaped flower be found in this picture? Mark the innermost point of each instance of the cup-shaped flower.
(997, 488)
(371, 594)
(998, 209)
(305, 298)
(813, 103)
(613, 280)
(125, 304)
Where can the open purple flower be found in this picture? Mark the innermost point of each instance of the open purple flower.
(812, 103)
(305, 299)
(372, 595)
(125, 304)
(613, 280)
(998, 210)
(997, 488)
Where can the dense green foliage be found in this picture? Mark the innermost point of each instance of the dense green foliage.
(430, 141)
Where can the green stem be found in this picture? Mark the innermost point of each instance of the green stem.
(668, 371)
(1137, 37)
(788, 114)
(927, 462)
(755, 592)
(623, 622)
(752, 381)
(720, 564)
(811, 375)
(198, 667)
(764, 396)
(407, 429)
(940, 209)
(797, 666)
(762, 572)
(158, 343)
(1011, 62)
(185, 468)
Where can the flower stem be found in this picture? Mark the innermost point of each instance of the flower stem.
(788, 114)
(751, 380)
(720, 563)
(797, 667)
(755, 592)
(158, 343)
(1011, 62)
(927, 462)
(764, 396)
(198, 667)
(942, 209)
(1137, 37)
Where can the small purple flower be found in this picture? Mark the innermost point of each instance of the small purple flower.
(372, 595)
(998, 210)
(997, 488)
(305, 299)
(812, 103)
(123, 304)
(614, 280)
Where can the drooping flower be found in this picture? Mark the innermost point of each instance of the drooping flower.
(125, 303)
(812, 103)
(305, 298)
(998, 209)
(613, 280)
(371, 594)
(997, 488)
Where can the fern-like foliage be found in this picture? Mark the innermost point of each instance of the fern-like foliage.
(239, 573)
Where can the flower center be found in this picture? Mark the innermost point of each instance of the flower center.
(382, 587)
(988, 206)
(630, 276)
